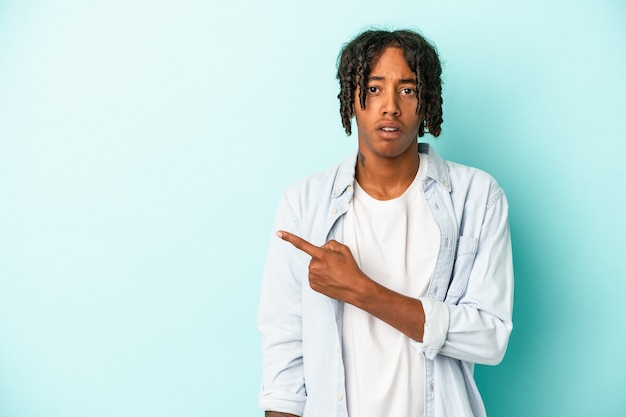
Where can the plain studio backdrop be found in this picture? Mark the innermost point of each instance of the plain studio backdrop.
(144, 146)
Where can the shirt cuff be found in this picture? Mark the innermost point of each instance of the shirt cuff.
(282, 401)
(436, 326)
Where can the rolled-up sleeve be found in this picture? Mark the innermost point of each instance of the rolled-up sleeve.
(476, 325)
(436, 326)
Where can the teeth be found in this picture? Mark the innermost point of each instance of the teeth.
(389, 129)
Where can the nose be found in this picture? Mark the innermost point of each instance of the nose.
(391, 107)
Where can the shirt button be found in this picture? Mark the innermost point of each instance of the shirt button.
(445, 184)
(338, 349)
(339, 397)
(334, 211)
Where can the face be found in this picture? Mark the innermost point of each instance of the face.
(388, 125)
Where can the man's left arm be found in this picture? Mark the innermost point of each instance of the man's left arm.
(476, 324)
(334, 272)
(476, 329)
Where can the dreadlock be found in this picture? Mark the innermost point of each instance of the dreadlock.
(357, 58)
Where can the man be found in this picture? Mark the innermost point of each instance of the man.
(390, 321)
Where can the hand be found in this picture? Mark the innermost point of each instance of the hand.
(333, 270)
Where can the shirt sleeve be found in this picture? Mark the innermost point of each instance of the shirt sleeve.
(475, 325)
(280, 323)
(436, 326)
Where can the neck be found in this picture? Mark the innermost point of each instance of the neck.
(387, 178)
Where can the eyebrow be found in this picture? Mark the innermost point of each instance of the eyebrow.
(402, 81)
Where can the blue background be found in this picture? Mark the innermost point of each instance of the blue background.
(144, 146)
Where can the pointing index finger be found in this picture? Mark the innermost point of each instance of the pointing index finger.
(299, 243)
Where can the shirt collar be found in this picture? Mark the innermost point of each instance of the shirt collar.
(437, 170)
(345, 176)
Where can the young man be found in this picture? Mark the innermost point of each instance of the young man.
(393, 273)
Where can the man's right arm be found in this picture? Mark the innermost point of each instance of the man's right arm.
(280, 323)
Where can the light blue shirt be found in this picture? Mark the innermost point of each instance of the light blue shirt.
(468, 307)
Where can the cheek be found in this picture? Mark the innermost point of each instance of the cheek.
(370, 111)
(361, 116)
(410, 106)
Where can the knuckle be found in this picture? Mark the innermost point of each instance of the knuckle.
(313, 267)
(331, 246)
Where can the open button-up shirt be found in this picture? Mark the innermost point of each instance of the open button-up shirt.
(468, 307)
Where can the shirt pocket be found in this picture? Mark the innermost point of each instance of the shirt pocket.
(463, 262)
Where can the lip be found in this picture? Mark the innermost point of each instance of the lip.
(389, 134)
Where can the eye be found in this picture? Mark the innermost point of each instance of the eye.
(408, 91)
(372, 90)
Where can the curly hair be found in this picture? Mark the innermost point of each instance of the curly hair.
(360, 55)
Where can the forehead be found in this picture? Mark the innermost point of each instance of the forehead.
(392, 64)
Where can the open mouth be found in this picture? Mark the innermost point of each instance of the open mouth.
(389, 129)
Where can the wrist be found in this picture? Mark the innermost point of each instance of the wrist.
(364, 293)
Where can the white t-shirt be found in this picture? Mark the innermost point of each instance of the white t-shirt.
(395, 242)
